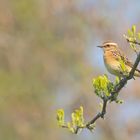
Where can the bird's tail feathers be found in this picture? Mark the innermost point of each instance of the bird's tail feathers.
(137, 73)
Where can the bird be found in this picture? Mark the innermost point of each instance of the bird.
(113, 56)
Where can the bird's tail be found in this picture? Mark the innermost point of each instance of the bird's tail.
(137, 73)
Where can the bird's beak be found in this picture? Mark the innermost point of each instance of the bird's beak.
(100, 46)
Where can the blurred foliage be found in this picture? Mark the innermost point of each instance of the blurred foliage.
(41, 50)
(43, 47)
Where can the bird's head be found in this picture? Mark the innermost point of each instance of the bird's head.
(108, 46)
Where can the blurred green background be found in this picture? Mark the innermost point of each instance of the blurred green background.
(48, 57)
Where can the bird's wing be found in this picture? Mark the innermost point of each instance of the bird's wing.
(126, 60)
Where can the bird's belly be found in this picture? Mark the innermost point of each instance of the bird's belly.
(112, 66)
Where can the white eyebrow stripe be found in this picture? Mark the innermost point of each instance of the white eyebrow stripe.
(110, 44)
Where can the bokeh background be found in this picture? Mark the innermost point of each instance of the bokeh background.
(48, 58)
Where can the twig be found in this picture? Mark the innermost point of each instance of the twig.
(99, 115)
(134, 42)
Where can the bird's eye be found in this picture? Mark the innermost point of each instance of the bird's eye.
(107, 45)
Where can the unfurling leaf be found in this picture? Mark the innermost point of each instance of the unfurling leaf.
(60, 117)
(122, 66)
(77, 117)
(101, 85)
(134, 30)
(117, 80)
(77, 120)
(130, 33)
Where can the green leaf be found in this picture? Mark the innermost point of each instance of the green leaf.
(122, 66)
(134, 30)
(130, 33)
(77, 118)
(117, 80)
(60, 117)
(102, 86)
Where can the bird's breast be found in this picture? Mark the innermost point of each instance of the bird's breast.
(111, 63)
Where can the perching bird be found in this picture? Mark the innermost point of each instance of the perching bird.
(112, 56)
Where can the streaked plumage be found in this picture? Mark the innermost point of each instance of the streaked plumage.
(112, 56)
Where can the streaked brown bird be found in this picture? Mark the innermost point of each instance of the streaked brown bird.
(112, 56)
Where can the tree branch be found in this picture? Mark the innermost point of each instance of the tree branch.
(112, 97)
(134, 42)
(99, 115)
(117, 89)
